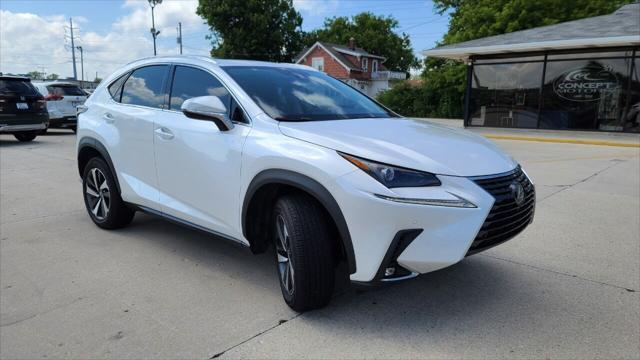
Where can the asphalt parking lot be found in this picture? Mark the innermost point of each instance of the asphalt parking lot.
(568, 287)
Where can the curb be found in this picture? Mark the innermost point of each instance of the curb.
(566, 141)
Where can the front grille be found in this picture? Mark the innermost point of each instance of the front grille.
(506, 218)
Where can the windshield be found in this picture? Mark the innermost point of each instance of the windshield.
(289, 94)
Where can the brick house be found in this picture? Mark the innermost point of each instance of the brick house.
(351, 64)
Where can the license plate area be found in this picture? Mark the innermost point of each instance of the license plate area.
(22, 106)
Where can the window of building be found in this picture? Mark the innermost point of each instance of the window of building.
(586, 94)
(317, 63)
(365, 63)
(506, 95)
(576, 91)
(374, 66)
(190, 82)
(144, 87)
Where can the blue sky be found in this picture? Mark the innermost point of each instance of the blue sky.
(33, 34)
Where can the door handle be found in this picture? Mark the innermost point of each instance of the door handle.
(108, 118)
(164, 133)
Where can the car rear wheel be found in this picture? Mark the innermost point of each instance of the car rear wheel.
(26, 136)
(101, 197)
(303, 252)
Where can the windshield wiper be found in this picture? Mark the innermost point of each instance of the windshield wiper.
(284, 118)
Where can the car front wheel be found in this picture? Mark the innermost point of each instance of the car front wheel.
(101, 197)
(304, 257)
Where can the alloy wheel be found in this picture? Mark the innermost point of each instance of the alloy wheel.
(283, 251)
(98, 194)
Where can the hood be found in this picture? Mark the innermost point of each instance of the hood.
(410, 143)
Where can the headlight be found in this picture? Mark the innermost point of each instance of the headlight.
(393, 176)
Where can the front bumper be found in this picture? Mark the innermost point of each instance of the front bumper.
(375, 224)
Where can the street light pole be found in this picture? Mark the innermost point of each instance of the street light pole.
(81, 65)
(154, 32)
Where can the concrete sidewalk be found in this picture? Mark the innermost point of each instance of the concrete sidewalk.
(541, 135)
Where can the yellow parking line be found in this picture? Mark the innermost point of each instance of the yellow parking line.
(566, 141)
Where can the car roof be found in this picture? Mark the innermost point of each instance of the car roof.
(12, 77)
(49, 83)
(195, 59)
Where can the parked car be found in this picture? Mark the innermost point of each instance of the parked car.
(62, 99)
(285, 156)
(23, 111)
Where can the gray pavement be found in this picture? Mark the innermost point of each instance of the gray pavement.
(565, 288)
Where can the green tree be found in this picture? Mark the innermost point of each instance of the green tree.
(473, 19)
(35, 75)
(375, 34)
(445, 80)
(53, 76)
(253, 29)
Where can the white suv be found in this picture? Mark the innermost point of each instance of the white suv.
(261, 153)
(62, 99)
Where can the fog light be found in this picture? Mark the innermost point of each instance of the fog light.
(389, 271)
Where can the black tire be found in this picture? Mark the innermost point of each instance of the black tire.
(26, 136)
(310, 252)
(117, 214)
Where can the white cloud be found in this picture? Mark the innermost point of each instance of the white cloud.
(167, 15)
(29, 41)
(315, 7)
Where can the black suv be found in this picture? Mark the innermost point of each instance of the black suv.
(23, 110)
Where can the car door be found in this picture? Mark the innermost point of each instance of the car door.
(198, 165)
(139, 102)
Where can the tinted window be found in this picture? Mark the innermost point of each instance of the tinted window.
(585, 94)
(17, 87)
(65, 90)
(506, 95)
(290, 94)
(115, 89)
(144, 87)
(190, 82)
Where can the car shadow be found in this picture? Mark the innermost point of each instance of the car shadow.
(477, 285)
(11, 141)
(58, 132)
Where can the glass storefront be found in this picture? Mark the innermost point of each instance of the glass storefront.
(574, 91)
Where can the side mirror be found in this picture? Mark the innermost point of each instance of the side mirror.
(209, 108)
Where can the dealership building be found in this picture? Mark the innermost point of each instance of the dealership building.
(576, 75)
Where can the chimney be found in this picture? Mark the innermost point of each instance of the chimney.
(352, 43)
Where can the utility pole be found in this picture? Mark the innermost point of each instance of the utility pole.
(180, 36)
(73, 51)
(81, 65)
(154, 32)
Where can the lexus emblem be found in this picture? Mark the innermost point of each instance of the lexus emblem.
(518, 192)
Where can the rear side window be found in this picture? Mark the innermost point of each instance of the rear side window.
(67, 90)
(17, 87)
(144, 87)
(115, 89)
(189, 82)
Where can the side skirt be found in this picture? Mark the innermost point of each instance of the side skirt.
(188, 224)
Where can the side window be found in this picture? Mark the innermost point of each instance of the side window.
(115, 89)
(144, 87)
(190, 82)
